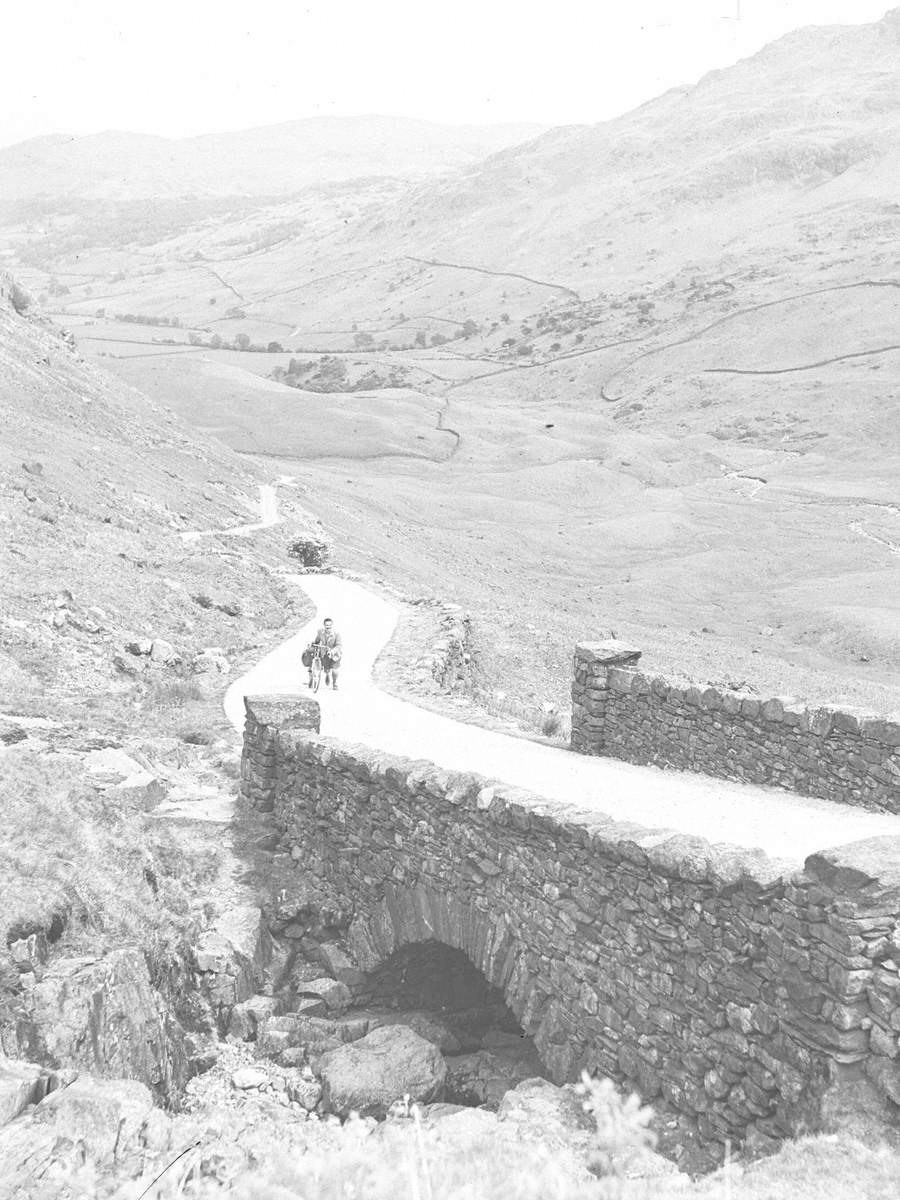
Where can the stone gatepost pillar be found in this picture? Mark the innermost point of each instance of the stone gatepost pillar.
(590, 690)
(265, 716)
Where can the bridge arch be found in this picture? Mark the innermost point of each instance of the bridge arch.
(407, 916)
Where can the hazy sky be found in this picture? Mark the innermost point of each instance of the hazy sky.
(179, 67)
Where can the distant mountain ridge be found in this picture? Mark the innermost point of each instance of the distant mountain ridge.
(270, 160)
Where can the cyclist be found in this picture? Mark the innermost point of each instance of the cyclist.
(330, 641)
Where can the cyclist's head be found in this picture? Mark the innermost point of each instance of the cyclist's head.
(328, 622)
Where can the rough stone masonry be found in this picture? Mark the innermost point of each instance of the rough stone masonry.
(699, 976)
(851, 757)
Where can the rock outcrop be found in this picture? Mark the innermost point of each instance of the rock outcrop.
(103, 1015)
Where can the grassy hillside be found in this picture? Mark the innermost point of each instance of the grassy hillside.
(99, 485)
(661, 352)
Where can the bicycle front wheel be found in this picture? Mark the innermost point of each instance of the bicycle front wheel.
(316, 674)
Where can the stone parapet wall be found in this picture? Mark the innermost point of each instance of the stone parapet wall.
(264, 716)
(699, 976)
(619, 711)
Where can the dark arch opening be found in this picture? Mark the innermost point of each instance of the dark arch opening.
(437, 991)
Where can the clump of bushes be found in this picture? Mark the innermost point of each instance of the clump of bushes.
(329, 373)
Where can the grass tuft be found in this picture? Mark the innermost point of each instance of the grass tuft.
(172, 693)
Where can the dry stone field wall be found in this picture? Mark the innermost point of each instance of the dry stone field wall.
(696, 975)
(449, 657)
(620, 712)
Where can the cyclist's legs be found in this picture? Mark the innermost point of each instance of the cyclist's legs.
(331, 670)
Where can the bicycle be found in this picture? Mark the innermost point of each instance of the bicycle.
(316, 666)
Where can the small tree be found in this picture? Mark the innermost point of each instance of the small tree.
(19, 298)
(421, 338)
(275, 348)
(241, 341)
(469, 328)
(363, 341)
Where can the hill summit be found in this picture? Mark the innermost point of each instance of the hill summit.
(268, 161)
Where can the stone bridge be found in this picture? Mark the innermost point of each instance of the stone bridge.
(749, 1000)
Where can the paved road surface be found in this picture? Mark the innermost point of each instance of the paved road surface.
(786, 826)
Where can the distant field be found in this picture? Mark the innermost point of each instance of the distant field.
(258, 416)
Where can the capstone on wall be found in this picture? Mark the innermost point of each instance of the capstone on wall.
(620, 712)
(699, 976)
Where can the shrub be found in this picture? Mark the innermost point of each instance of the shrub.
(172, 693)
(551, 724)
(196, 737)
(19, 298)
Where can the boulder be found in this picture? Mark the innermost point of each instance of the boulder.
(124, 665)
(368, 1075)
(80, 1134)
(139, 646)
(30, 954)
(162, 651)
(247, 1078)
(539, 1111)
(485, 1076)
(457, 1121)
(538, 1105)
(428, 1026)
(210, 661)
(120, 776)
(305, 1089)
(314, 1034)
(232, 957)
(351, 1029)
(109, 1117)
(340, 965)
(334, 994)
(247, 1017)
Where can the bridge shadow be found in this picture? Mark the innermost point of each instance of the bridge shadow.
(463, 946)
(436, 990)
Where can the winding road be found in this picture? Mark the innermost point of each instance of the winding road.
(786, 826)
